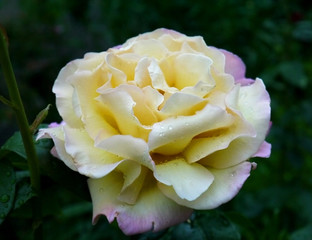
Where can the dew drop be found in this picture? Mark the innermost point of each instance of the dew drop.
(5, 198)
(161, 134)
(101, 189)
(233, 174)
(170, 127)
(187, 124)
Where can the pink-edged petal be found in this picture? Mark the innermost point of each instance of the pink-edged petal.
(89, 160)
(189, 181)
(59, 151)
(128, 147)
(245, 81)
(254, 106)
(234, 65)
(264, 151)
(151, 212)
(172, 135)
(227, 183)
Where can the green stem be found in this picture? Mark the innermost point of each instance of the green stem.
(22, 121)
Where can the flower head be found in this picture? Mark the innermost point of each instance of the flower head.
(161, 125)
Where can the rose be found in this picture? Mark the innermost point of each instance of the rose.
(161, 125)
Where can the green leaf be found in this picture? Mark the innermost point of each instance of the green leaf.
(186, 231)
(59, 172)
(7, 188)
(14, 144)
(293, 73)
(217, 226)
(23, 193)
(302, 234)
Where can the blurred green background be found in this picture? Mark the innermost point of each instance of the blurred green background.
(274, 39)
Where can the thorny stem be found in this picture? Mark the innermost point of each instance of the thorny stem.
(16, 101)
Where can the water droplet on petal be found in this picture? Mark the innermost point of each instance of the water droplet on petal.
(4, 198)
(170, 127)
(101, 189)
(161, 134)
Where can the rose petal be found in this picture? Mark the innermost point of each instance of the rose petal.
(90, 161)
(254, 105)
(227, 182)
(234, 65)
(180, 104)
(218, 139)
(188, 180)
(158, 78)
(128, 147)
(94, 115)
(152, 211)
(121, 105)
(134, 177)
(190, 69)
(264, 151)
(151, 48)
(59, 151)
(64, 92)
(141, 76)
(172, 135)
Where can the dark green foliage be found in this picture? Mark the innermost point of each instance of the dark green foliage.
(274, 39)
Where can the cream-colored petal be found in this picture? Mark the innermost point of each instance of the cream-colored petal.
(133, 181)
(121, 105)
(200, 89)
(64, 93)
(93, 114)
(141, 76)
(118, 76)
(128, 147)
(150, 48)
(89, 160)
(253, 103)
(125, 63)
(227, 183)
(172, 135)
(189, 181)
(181, 104)
(144, 108)
(59, 151)
(191, 68)
(158, 78)
(151, 212)
(218, 139)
